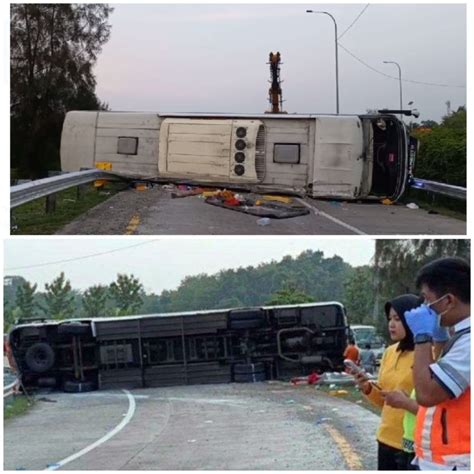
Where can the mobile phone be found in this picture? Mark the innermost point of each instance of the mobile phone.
(355, 369)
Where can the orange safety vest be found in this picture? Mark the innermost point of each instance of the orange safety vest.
(443, 432)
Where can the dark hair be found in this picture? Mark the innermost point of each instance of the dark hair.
(447, 275)
(367, 346)
(401, 304)
(351, 340)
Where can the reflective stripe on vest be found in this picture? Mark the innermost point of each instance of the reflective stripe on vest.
(443, 432)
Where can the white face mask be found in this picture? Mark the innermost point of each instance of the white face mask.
(434, 302)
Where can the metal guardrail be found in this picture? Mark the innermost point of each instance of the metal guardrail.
(23, 193)
(456, 192)
(10, 390)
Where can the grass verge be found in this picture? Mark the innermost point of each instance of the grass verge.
(16, 407)
(436, 204)
(31, 218)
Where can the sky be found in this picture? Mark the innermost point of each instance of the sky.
(213, 58)
(161, 263)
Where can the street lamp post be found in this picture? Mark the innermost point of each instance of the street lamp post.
(400, 82)
(337, 60)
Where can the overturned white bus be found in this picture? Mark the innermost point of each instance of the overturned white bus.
(330, 156)
(215, 346)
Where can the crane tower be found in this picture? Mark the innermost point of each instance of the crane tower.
(275, 94)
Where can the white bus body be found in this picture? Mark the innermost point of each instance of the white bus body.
(329, 156)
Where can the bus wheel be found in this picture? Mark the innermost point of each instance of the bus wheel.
(246, 324)
(40, 357)
(73, 329)
(76, 386)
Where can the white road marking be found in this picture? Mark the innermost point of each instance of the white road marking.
(110, 434)
(318, 212)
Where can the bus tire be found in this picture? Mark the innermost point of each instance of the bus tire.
(74, 329)
(246, 324)
(76, 386)
(241, 314)
(40, 357)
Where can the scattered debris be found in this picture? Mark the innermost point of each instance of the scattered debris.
(310, 379)
(387, 202)
(263, 221)
(322, 420)
(431, 211)
(412, 205)
(44, 399)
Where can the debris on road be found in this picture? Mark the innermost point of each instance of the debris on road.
(310, 379)
(412, 205)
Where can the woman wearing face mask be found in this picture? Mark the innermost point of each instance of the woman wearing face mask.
(395, 383)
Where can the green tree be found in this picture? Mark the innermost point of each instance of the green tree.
(54, 48)
(289, 295)
(396, 263)
(94, 301)
(25, 300)
(59, 299)
(442, 154)
(127, 292)
(10, 315)
(359, 295)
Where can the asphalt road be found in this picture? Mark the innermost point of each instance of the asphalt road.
(267, 425)
(153, 212)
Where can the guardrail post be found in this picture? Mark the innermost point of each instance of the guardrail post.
(51, 203)
(80, 191)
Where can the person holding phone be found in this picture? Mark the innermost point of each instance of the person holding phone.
(395, 383)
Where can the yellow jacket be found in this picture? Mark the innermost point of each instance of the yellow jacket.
(396, 373)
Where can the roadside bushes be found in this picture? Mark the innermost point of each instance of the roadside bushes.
(442, 154)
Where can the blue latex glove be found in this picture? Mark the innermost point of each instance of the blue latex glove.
(440, 334)
(422, 320)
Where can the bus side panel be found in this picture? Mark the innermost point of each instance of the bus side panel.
(78, 141)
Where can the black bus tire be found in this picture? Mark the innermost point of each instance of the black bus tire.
(246, 324)
(76, 386)
(74, 329)
(241, 315)
(40, 357)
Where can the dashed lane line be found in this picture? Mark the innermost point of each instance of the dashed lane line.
(132, 225)
(318, 212)
(350, 456)
(109, 435)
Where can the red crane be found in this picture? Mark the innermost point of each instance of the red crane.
(275, 94)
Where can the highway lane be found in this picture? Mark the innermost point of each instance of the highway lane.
(268, 425)
(153, 212)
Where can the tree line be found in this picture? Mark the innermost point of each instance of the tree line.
(306, 278)
(53, 49)
(442, 152)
